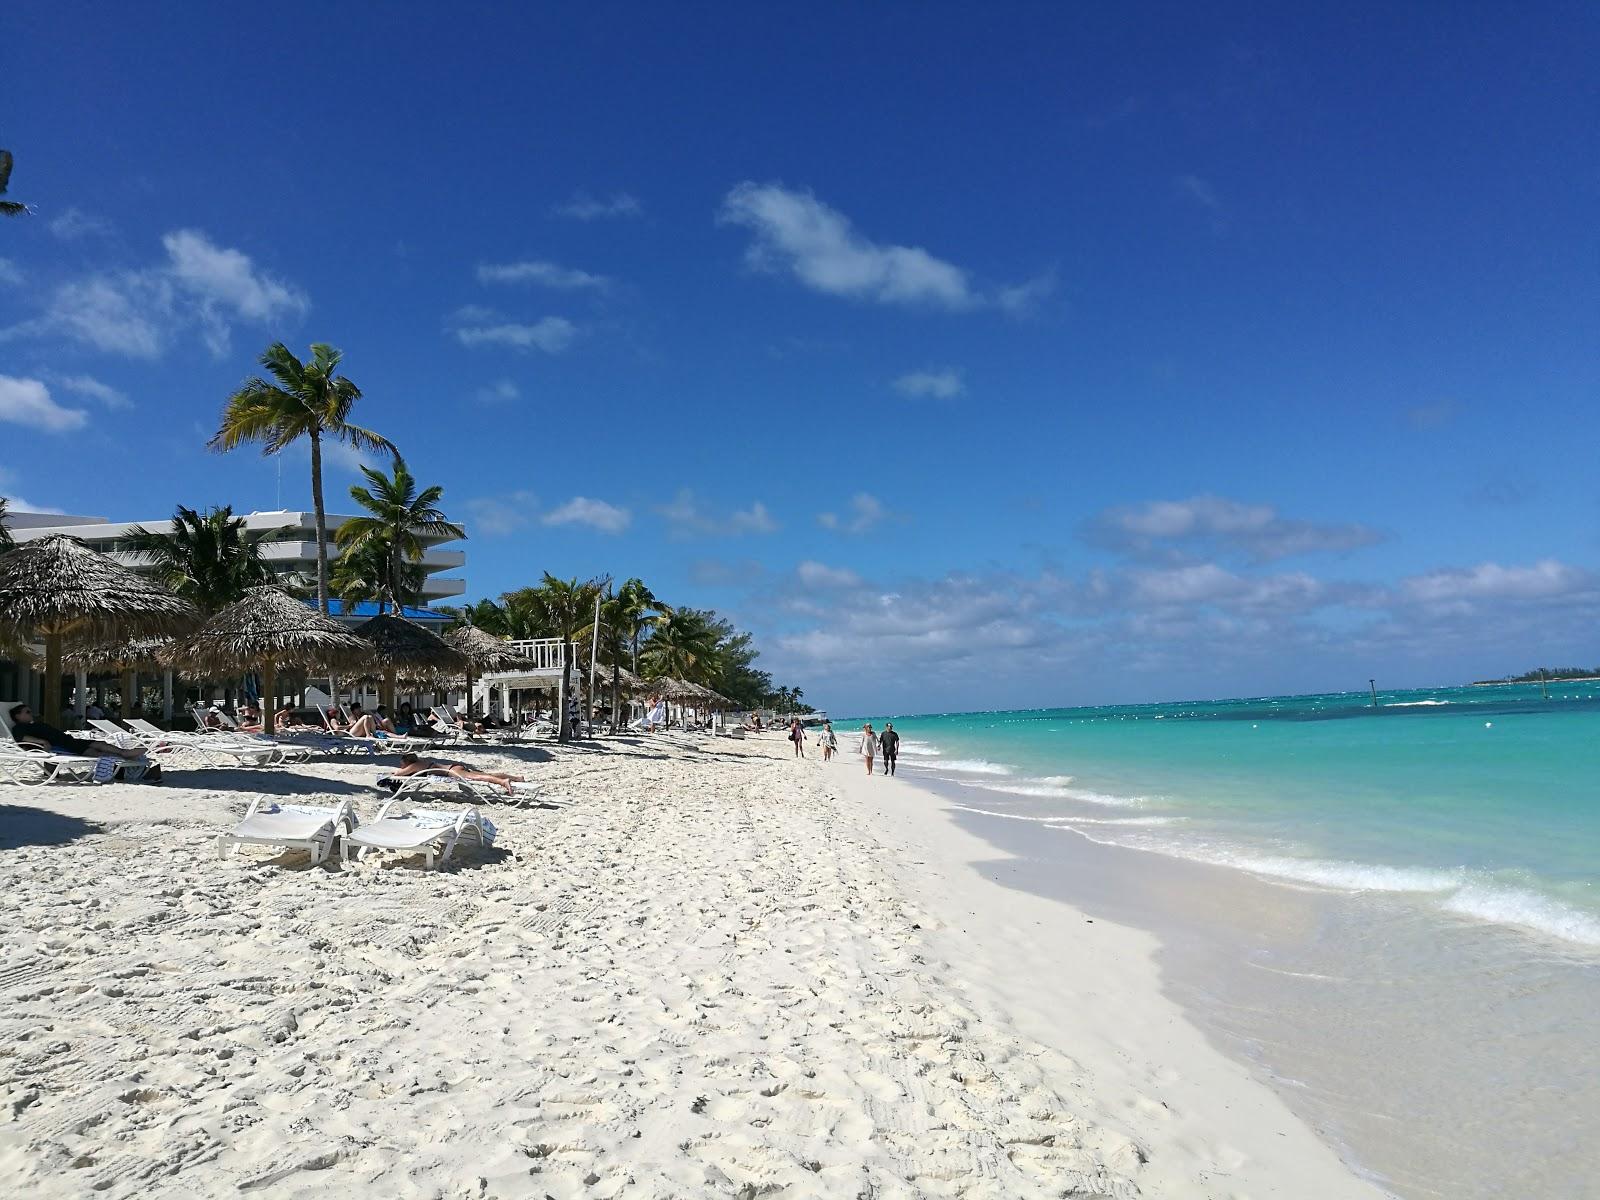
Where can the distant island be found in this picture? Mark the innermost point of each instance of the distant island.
(1538, 674)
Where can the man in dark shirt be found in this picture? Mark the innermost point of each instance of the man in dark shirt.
(889, 747)
(25, 728)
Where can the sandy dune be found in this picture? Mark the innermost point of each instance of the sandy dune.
(697, 977)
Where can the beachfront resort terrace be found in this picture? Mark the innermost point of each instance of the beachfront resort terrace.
(289, 545)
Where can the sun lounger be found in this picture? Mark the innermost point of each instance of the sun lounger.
(291, 826)
(24, 765)
(209, 749)
(439, 779)
(460, 732)
(20, 762)
(385, 743)
(428, 831)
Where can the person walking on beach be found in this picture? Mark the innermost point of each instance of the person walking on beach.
(889, 744)
(869, 745)
(830, 743)
(797, 735)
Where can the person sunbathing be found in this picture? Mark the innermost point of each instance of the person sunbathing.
(410, 764)
(40, 736)
(249, 719)
(361, 724)
(288, 717)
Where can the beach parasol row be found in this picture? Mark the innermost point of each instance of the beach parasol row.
(56, 588)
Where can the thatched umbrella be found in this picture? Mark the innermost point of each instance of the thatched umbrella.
(483, 652)
(270, 629)
(397, 645)
(127, 656)
(57, 588)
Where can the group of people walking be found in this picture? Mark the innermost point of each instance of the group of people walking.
(873, 746)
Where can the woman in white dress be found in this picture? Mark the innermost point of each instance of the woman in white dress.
(869, 745)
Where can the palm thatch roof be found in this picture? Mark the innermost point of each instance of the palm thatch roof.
(396, 644)
(484, 651)
(126, 654)
(58, 586)
(270, 626)
(672, 689)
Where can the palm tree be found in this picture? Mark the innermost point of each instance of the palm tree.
(639, 610)
(5, 534)
(363, 574)
(9, 208)
(390, 538)
(207, 559)
(563, 608)
(308, 400)
(616, 622)
(682, 644)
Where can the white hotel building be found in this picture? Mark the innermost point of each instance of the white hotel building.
(289, 545)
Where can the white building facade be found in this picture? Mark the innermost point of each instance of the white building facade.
(288, 544)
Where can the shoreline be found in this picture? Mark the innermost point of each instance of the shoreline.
(1155, 1072)
(709, 971)
(1379, 1022)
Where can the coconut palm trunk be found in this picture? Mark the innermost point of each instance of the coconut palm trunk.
(322, 522)
(564, 729)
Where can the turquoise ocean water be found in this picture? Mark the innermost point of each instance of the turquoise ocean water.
(1482, 802)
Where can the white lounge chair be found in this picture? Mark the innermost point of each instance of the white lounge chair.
(206, 749)
(20, 763)
(229, 734)
(23, 765)
(431, 832)
(439, 779)
(383, 743)
(454, 725)
(307, 827)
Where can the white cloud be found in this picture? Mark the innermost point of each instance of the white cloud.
(1165, 527)
(688, 516)
(796, 231)
(498, 516)
(821, 576)
(74, 223)
(584, 207)
(27, 402)
(596, 514)
(140, 313)
(10, 273)
(88, 385)
(1547, 579)
(549, 334)
(15, 502)
(543, 274)
(866, 511)
(501, 391)
(942, 383)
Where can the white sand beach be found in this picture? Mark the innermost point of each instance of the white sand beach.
(711, 971)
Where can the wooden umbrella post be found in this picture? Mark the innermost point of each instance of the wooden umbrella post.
(52, 678)
(269, 703)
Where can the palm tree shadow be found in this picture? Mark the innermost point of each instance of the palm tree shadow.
(24, 826)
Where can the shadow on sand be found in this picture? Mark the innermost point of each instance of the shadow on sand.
(24, 826)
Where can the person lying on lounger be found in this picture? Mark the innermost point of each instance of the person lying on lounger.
(29, 732)
(249, 719)
(410, 764)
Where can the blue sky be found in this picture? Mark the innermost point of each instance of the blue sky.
(971, 356)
